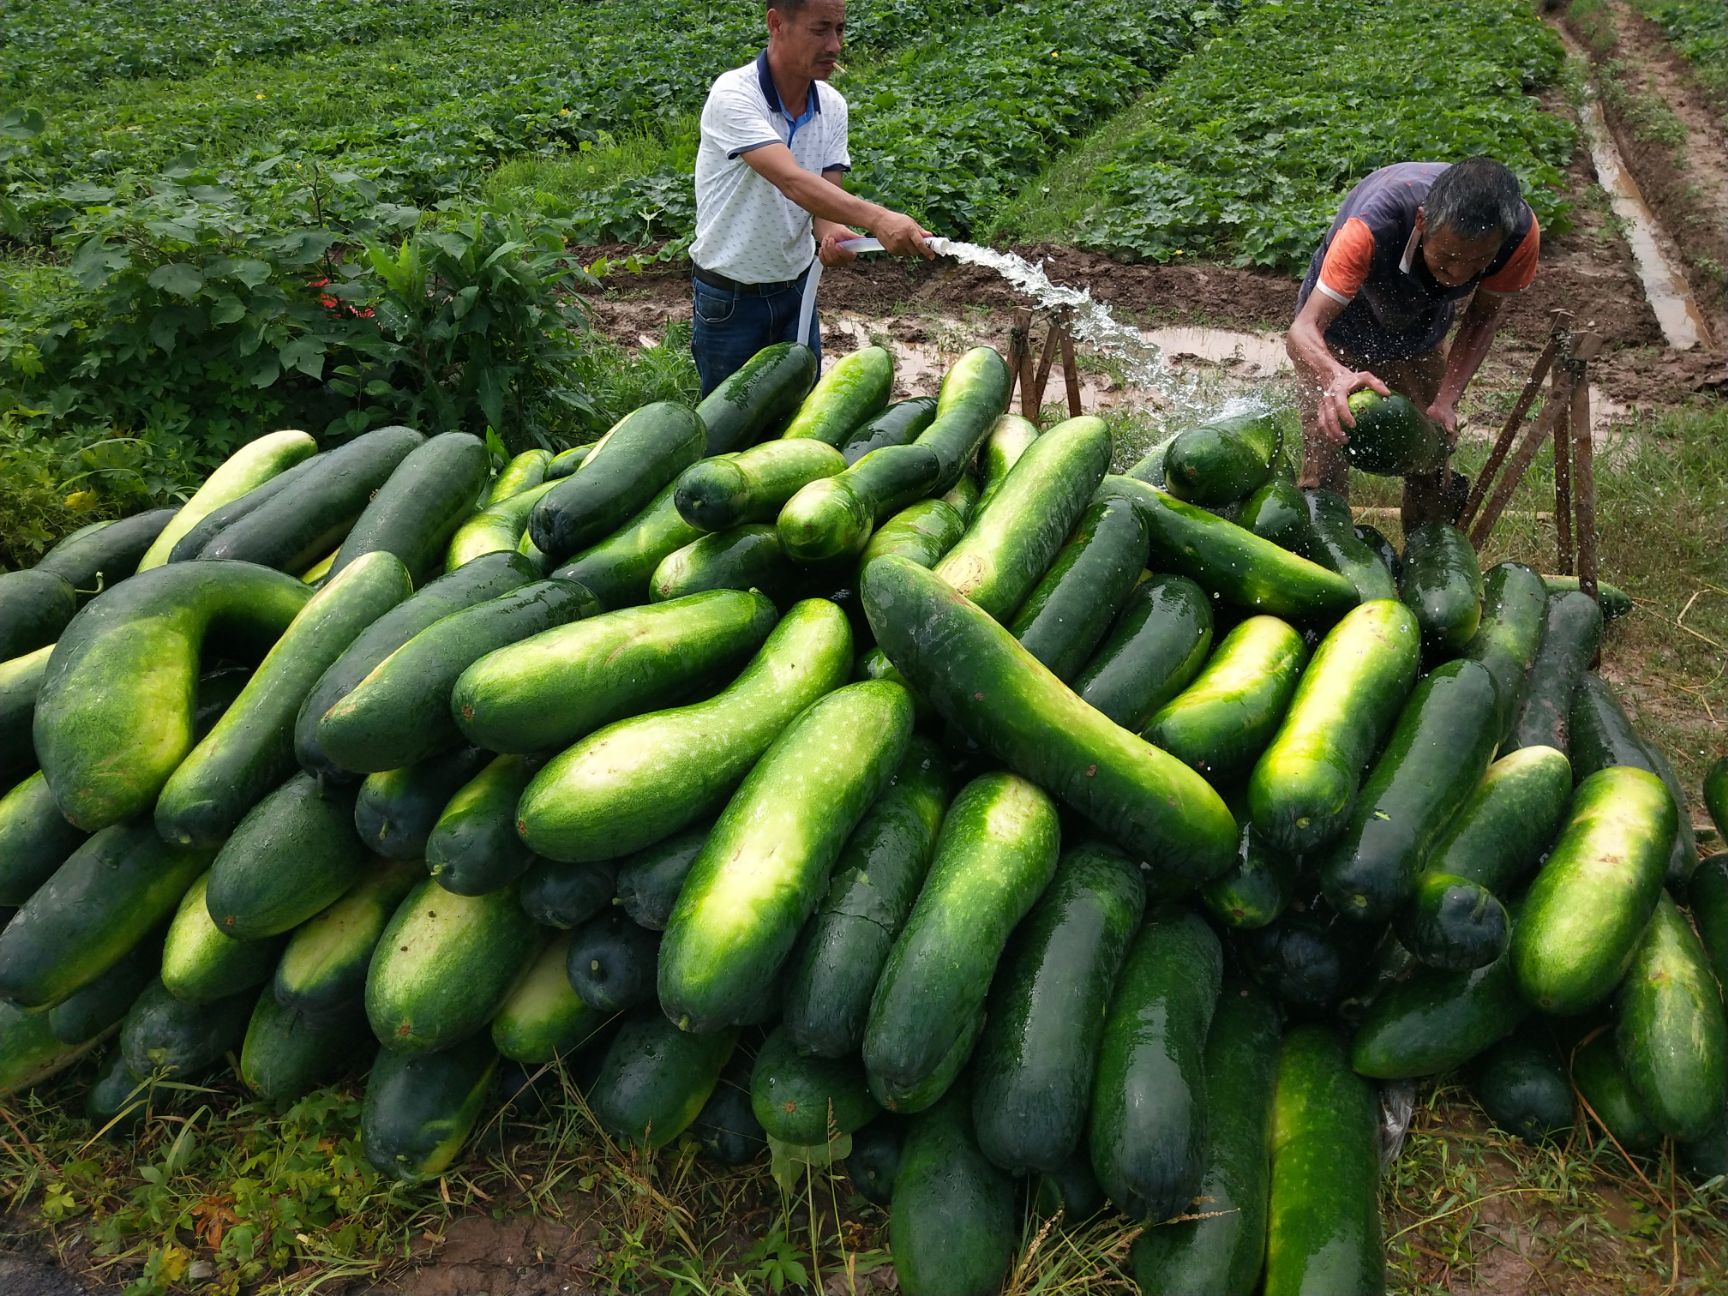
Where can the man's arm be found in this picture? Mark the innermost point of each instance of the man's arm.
(1481, 321)
(830, 234)
(1469, 348)
(1317, 368)
(827, 201)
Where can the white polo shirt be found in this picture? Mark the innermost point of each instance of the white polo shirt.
(746, 229)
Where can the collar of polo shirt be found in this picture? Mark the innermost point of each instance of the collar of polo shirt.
(812, 101)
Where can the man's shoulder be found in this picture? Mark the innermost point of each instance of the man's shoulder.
(736, 82)
(1386, 200)
(829, 98)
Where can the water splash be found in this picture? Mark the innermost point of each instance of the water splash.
(1178, 397)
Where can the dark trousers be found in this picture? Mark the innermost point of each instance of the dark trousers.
(730, 326)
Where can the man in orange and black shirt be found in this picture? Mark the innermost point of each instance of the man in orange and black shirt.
(1409, 243)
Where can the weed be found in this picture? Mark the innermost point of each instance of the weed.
(1649, 119)
(1593, 20)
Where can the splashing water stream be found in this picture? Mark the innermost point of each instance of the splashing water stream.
(1175, 394)
(1091, 324)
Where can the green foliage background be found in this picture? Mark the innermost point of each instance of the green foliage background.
(216, 219)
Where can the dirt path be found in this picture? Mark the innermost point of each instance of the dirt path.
(1646, 90)
(516, 1256)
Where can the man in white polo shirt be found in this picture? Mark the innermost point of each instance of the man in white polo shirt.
(768, 191)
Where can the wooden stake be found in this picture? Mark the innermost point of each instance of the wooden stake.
(1503, 442)
(1018, 346)
(1028, 380)
(1046, 358)
(1561, 396)
(1584, 465)
(1070, 373)
(1514, 474)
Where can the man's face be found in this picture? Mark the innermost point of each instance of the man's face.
(1451, 258)
(808, 44)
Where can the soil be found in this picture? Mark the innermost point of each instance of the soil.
(517, 1256)
(29, 1267)
(558, 1253)
(32, 1275)
(1685, 184)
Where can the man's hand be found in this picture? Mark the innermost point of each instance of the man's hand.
(829, 250)
(1334, 414)
(902, 235)
(1445, 413)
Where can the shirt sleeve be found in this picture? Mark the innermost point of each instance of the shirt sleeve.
(1345, 268)
(1516, 274)
(839, 142)
(735, 123)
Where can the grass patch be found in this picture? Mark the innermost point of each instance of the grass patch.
(211, 1193)
(621, 378)
(630, 189)
(1592, 21)
(1649, 120)
(1058, 198)
(41, 502)
(1468, 1208)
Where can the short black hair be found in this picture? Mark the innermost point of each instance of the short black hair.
(1475, 197)
(788, 7)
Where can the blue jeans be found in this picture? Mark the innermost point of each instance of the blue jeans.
(729, 327)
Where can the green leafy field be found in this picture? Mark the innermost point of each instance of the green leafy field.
(1243, 153)
(215, 220)
(945, 126)
(50, 44)
(424, 112)
(423, 99)
(1699, 30)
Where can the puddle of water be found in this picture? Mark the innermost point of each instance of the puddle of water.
(1205, 370)
(1676, 313)
(1158, 366)
(1252, 355)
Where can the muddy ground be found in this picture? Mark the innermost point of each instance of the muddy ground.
(1585, 271)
